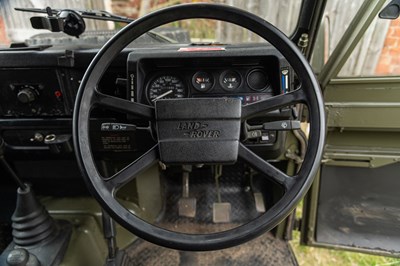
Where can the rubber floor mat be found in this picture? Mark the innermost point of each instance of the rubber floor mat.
(264, 250)
(234, 189)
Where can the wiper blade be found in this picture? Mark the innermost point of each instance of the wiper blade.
(102, 15)
(91, 14)
(160, 37)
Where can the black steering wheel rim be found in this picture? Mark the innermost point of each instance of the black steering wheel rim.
(85, 101)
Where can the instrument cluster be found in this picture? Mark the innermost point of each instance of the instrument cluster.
(238, 82)
(250, 73)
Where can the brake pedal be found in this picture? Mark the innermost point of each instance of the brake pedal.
(221, 210)
(186, 205)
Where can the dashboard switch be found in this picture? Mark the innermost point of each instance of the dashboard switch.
(38, 137)
(117, 127)
(282, 125)
(59, 143)
(254, 134)
(26, 95)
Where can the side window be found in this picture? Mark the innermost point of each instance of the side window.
(376, 54)
(337, 17)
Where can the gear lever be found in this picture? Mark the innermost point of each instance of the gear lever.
(4, 163)
(37, 238)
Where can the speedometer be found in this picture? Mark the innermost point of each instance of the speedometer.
(165, 87)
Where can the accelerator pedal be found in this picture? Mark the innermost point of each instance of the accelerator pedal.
(258, 196)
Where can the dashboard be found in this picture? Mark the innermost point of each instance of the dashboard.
(37, 98)
(207, 72)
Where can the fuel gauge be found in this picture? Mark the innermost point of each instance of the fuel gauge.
(202, 81)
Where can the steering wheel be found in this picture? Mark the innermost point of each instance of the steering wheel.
(168, 114)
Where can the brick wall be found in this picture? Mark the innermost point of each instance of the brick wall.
(389, 61)
(3, 34)
(131, 8)
(127, 8)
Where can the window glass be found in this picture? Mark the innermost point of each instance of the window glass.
(16, 27)
(337, 17)
(376, 53)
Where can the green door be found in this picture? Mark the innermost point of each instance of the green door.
(354, 203)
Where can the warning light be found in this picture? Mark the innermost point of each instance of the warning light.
(58, 94)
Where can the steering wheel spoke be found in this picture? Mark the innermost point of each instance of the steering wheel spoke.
(265, 167)
(118, 104)
(133, 169)
(273, 103)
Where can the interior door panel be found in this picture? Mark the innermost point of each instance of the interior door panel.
(354, 203)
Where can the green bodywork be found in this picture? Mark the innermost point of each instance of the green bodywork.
(363, 131)
(362, 120)
(87, 245)
(365, 105)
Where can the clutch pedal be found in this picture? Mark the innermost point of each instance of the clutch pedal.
(186, 205)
